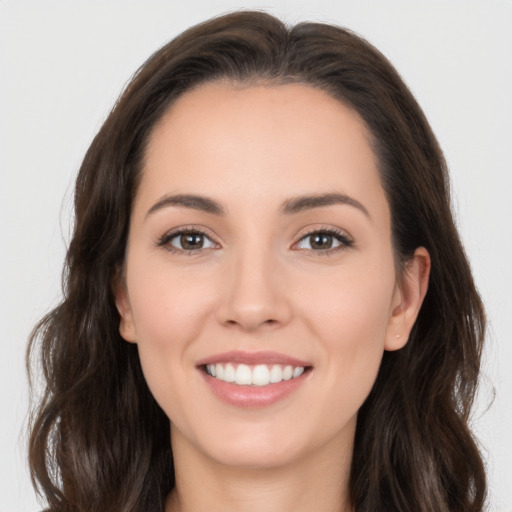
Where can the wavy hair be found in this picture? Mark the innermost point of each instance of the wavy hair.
(99, 441)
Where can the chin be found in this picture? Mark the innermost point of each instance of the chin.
(253, 445)
(257, 455)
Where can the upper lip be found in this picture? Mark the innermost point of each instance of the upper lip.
(253, 358)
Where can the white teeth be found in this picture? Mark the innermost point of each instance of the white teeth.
(259, 375)
(243, 375)
(287, 373)
(297, 372)
(276, 374)
(229, 373)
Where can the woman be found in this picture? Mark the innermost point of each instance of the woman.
(267, 305)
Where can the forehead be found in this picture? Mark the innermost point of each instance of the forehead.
(263, 141)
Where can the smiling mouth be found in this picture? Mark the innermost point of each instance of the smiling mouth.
(252, 380)
(254, 375)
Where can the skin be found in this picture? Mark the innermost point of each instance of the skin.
(258, 283)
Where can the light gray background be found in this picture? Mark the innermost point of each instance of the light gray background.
(62, 65)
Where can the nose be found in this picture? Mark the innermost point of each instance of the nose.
(254, 295)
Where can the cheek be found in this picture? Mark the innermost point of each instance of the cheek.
(350, 318)
(167, 304)
(352, 308)
(167, 325)
(169, 311)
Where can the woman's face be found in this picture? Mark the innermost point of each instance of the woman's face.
(260, 250)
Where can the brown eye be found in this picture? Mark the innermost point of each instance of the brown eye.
(186, 241)
(190, 241)
(321, 241)
(325, 240)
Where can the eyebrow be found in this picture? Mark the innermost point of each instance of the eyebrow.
(300, 203)
(289, 207)
(194, 202)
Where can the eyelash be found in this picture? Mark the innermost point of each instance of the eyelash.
(342, 237)
(165, 240)
(345, 241)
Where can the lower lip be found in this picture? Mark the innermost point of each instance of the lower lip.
(253, 396)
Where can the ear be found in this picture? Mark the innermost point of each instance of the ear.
(126, 325)
(408, 297)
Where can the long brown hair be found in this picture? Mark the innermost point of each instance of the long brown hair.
(99, 441)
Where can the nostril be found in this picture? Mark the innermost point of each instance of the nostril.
(271, 323)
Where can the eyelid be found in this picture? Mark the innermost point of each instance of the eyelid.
(165, 239)
(345, 239)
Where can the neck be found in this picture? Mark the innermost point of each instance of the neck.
(317, 482)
